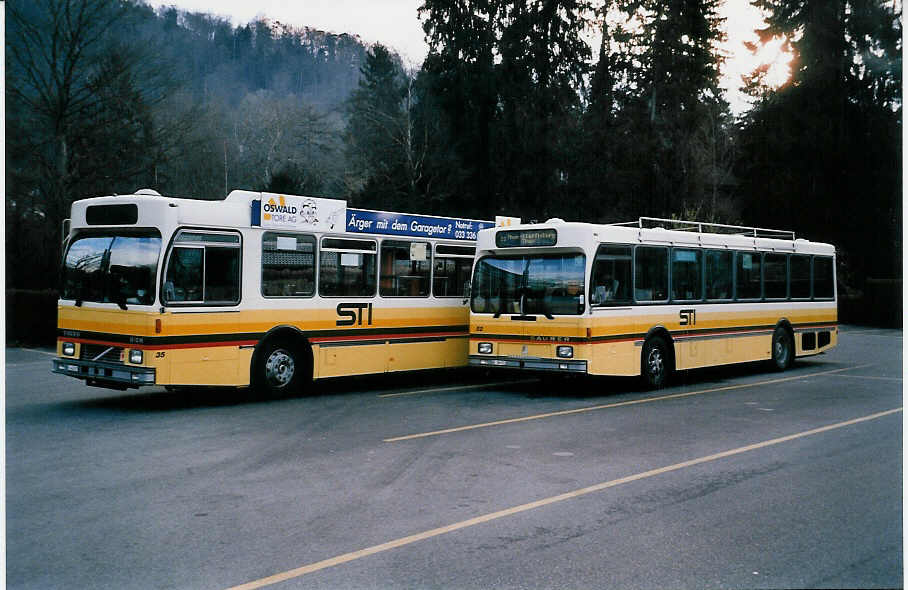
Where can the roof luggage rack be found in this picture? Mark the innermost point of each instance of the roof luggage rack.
(713, 228)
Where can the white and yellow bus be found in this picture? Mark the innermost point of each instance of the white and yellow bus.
(648, 297)
(262, 289)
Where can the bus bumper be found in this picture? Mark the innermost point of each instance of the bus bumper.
(105, 374)
(531, 364)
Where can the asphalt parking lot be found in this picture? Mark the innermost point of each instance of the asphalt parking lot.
(733, 477)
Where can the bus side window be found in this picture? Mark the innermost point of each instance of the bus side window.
(288, 265)
(749, 275)
(823, 281)
(775, 276)
(719, 274)
(405, 268)
(686, 275)
(222, 275)
(611, 276)
(651, 273)
(799, 270)
(204, 267)
(451, 271)
(184, 275)
(347, 268)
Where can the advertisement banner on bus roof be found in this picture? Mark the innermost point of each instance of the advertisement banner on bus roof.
(292, 212)
(423, 226)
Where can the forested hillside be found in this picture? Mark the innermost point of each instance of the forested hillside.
(511, 113)
(106, 97)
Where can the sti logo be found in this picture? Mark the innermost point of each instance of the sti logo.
(688, 317)
(353, 314)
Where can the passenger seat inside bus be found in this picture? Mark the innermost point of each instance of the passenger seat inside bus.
(606, 292)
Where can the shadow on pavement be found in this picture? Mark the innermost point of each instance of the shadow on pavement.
(529, 385)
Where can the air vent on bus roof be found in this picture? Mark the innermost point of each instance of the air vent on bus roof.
(148, 191)
(555, 220)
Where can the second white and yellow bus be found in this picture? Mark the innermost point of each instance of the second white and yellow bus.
(263, 289)
(648, 297)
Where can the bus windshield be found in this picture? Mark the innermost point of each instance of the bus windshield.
(535, 284)
(112, 268)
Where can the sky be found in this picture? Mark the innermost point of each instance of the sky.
(395, 23)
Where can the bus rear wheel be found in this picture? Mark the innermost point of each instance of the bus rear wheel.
(280, 370)
(782, 349)
(656, 363)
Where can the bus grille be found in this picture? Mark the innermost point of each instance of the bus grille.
(101, 353)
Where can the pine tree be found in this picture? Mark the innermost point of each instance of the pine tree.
(507, 77)
(541, 77)
(376, 131)
(822, 153)
(460, 77)
(656, 101)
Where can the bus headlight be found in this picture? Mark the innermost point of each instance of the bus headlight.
(136, 357)
(564, 352)
(485, 348)
(69, 349)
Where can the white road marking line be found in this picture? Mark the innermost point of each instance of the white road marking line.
(871, 377)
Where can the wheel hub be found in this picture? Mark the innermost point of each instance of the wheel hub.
(656, 364)
(279, 368)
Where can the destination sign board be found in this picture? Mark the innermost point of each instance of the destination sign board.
(525, 238)
(400, 224)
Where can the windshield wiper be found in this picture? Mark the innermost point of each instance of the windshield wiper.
(81, 296)
(119, 297)
(546, 311)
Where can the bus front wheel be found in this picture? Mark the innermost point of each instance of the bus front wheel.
(280, 369)
(656, 363)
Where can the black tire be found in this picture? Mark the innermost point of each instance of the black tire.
(782, 349)
(655, 363)
(281, 369)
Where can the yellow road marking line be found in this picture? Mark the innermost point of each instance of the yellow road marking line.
(869, 333)
(453, 387)
(872, 377)
(348, 557)
(615, 405)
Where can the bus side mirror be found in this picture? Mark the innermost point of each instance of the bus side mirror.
(581, 303)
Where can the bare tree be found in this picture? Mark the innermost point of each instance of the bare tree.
(55, 49)
(80, 90)
(279, 134)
